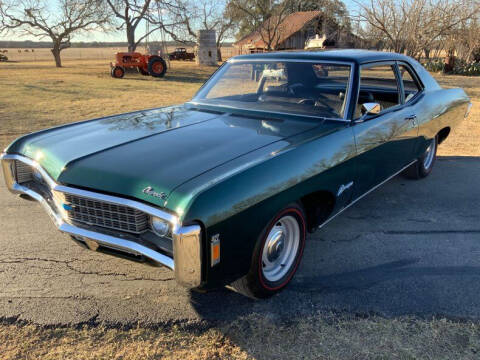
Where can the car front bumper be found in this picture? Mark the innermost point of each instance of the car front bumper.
(185, 259)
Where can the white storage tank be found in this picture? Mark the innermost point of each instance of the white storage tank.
(206, 48)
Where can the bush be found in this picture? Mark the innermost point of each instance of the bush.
(435, 65)
(467, 69)
(461, 67)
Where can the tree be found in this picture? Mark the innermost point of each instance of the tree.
(187, 17)
(244, 24)
(37, 18)
(130, 14)
(415, 26)
(266, 17)
(334, 11)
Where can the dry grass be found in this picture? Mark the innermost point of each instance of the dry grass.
(33, 342)
(323, 336)
(464, 141)
(36, 95)
(84, 54)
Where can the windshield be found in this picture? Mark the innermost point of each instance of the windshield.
(305, 88)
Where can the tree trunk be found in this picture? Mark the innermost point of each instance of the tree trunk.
(56, 55)
(131, 38)
(427, 53)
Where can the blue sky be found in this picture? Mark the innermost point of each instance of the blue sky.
(119, 36)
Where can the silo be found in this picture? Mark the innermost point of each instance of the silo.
(206, 47)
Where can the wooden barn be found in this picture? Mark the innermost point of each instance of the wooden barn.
(293, 33)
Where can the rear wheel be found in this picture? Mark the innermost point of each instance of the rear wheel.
(157, 67)
(277, 254)
(423, 167)
(117, 72)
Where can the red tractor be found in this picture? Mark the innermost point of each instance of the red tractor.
(152, 65)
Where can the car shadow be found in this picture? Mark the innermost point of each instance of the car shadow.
(411, 248)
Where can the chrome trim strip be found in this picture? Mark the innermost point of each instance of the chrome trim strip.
(173, 219)
(363, 195)
(280, 59)
(270, 112)
(119, 244)
(102, 239)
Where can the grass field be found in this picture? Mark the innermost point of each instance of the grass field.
(36, 95)
(85, 54)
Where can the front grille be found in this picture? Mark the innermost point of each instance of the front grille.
(100, 213)
(23, 172)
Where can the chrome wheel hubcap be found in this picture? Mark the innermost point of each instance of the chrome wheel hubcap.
(280, 249)
(429, 155)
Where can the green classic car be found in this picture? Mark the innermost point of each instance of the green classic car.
(223, 189)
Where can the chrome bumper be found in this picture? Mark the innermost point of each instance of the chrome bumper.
(187, 250)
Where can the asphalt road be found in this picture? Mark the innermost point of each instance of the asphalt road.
(409, 248)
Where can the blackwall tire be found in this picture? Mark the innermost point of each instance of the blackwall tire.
(117, 72)
(157, 67)
(424, 165)
(276, 256)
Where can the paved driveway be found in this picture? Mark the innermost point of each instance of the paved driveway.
(409, 248)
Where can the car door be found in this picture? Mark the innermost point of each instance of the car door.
(384, 141)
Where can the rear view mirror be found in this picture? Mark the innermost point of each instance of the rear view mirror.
(371, 108)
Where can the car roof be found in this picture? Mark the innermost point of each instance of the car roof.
(346, 55)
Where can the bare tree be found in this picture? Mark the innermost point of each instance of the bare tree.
(465, 38)
(187, 17)
(37, 18)
(131, 13)
(267, 17)
(415, 26)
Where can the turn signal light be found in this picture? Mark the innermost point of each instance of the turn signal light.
(215, 250)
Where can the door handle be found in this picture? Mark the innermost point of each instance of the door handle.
(411, 117)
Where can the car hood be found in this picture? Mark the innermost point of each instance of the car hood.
(160, 148)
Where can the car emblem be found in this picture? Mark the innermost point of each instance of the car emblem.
(344, 187)
(150, 191)
(67, 207)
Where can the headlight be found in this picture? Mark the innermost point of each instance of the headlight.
(159, 226)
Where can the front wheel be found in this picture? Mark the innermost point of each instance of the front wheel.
(277, 254)
(117, 72)
(423, 167)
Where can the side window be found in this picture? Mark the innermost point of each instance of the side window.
(378, 84)
(410, 86)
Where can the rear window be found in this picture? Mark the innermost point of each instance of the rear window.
(410, 85)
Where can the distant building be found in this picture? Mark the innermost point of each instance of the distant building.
(295, 31)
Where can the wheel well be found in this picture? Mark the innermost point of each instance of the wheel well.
(318, 206)
(443, 134)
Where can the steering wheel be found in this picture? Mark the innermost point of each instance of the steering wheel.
(293, 89)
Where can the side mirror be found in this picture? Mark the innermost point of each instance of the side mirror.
(371, 108)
